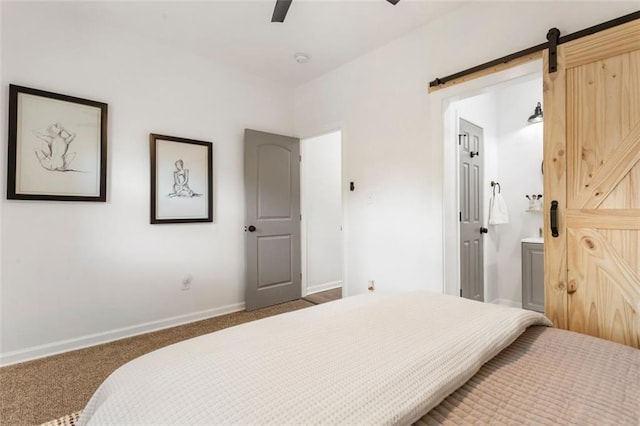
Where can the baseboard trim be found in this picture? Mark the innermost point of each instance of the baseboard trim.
(323, 287)
(507, 302)
(55, 348)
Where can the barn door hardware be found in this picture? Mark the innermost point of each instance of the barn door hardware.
(553, 35)
(554, 219)
(554, 39)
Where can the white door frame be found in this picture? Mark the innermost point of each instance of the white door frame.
(444, 128)
(303, 209)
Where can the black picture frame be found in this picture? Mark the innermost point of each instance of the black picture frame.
(57, 148)
(181, 180)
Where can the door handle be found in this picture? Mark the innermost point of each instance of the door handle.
(483, 230)
(474, 153)
(249, 228)
(553, 213)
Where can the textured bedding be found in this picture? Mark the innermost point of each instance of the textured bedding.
(549, 377)
(369, 359)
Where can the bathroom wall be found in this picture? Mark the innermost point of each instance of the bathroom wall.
(519, 158)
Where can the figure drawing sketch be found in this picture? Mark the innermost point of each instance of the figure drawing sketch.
(53, 154)
(181, 182)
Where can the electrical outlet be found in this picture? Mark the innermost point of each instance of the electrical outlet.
(372, 285)
(186, 283)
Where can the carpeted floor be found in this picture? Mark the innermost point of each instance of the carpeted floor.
(49, 388)
(68, 420)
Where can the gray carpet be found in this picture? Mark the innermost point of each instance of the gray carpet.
(49, 388)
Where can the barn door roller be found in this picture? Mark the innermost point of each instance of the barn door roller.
(553, 35)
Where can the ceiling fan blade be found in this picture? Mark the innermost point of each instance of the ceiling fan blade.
(393, 2)
(280, 11)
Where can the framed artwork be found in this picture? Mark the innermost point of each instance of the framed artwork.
(57, 147)
(181, 180)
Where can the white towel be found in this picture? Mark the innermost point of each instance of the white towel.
(498, 213)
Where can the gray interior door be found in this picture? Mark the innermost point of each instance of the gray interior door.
(471, 225)
(272, 193)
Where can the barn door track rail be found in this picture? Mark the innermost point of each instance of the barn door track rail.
(553, 41)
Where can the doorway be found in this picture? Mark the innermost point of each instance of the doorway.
(500, 103)
(321, 204)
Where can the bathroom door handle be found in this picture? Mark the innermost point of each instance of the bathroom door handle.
(553, 213)
(483, 230)
(474, 153)
(249, 228)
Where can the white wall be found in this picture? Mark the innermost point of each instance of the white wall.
(78, 273)
(321, 186)
(379, 102)
(519, 159)
(394, 226)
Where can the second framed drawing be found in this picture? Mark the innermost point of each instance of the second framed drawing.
(181, 180)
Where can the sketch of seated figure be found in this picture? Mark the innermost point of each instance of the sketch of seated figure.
(181, 182)
(54, 154)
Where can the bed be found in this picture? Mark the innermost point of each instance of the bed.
(403, 358)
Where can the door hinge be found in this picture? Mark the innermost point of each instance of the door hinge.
(460, 216)
(460, 139)
(300, 158)
(300, 216)
(460, 292)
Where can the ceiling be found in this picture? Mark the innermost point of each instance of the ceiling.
(240, 34)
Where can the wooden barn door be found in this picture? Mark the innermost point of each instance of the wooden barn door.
(592, 170)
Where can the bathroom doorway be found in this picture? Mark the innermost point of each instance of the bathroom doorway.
(501, 104)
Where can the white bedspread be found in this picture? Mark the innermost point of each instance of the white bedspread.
(369, 359)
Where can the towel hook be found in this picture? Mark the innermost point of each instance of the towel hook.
(493, 185)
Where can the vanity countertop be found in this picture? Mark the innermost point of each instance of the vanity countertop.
(536, 240)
